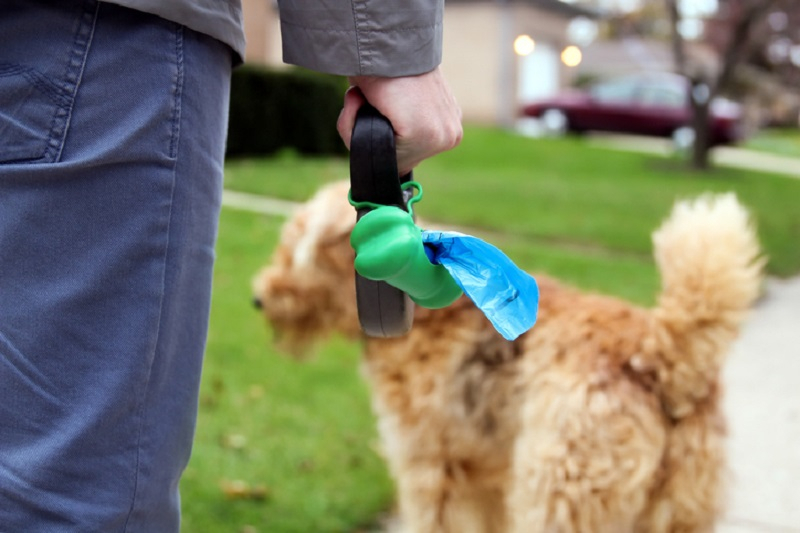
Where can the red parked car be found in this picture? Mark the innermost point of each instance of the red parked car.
(654, 104)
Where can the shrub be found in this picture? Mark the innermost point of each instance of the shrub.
(275, 109)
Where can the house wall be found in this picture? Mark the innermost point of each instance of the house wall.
(479, 59)
(263, 33)
(471, 58)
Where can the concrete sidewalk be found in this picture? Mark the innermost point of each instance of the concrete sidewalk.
(722, 156)
(762, 401)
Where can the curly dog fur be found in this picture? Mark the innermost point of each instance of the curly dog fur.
(605, 417)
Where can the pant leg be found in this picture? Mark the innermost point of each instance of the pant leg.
(112, 127)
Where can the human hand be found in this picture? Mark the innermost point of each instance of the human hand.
(422, 109)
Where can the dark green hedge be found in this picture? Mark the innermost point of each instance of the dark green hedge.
(274, 109)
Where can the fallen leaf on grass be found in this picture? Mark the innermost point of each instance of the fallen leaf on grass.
(255, 392)
(234, 441)
(238, 489)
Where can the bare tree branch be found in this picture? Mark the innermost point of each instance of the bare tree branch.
(750, 16)
(678, 47)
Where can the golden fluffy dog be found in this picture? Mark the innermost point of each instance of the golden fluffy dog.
(604, 418)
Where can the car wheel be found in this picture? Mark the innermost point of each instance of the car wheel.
(683, 138)
(554, 122)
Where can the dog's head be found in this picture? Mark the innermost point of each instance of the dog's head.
(308, 289)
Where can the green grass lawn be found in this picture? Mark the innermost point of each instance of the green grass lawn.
(557, 191)
(285, 446)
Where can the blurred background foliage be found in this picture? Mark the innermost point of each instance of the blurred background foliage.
(284, 109)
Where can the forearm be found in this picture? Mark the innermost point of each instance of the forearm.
(388, 38)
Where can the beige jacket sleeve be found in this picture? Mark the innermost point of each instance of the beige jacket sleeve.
(363, 37)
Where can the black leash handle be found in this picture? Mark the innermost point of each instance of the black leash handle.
(383, 310)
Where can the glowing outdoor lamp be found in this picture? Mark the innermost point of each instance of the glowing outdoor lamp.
(571, 56)
(524, 45)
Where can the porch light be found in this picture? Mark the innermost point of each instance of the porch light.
(571, 56)
(524, 45)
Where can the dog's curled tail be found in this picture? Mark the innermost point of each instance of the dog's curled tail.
(709, 259)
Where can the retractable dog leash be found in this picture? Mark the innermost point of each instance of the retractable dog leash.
(383, 310)
(384, 198)
(399, 265)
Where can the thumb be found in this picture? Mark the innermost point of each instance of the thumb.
(353, 100)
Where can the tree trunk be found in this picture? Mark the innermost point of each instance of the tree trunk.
(752, 11)
(701, 149)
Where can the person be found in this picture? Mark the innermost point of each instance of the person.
(112, 131)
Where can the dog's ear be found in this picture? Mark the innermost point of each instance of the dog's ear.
(294, 343)
(326, 219)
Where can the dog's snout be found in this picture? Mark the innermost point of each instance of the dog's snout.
(257, 303)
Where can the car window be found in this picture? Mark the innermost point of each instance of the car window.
(661, 96)
(614, 92)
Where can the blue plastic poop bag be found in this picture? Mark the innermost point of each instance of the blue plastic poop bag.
(508, 296)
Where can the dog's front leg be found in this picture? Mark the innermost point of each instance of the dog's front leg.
(433, 500)
(422, 496)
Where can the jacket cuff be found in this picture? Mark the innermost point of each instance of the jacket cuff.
(388, 38)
